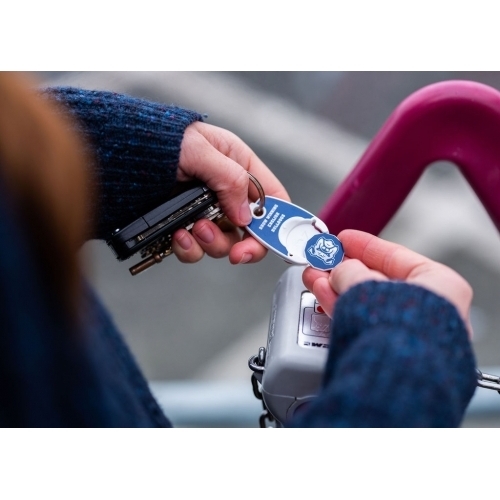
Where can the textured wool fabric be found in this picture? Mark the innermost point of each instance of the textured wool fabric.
(54, 373)
(136, 144)
(399, 357)
(399, 354)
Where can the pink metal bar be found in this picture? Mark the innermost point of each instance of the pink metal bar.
(456, 121)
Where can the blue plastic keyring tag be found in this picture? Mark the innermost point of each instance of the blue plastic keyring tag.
(286, 229)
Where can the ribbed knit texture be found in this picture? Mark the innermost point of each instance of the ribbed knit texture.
(136, 144)
(399, 357)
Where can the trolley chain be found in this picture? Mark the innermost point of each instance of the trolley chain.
(256, 364)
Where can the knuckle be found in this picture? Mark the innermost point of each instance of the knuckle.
(218, 253)
(194, 254)
(190, 258)
(239, 180)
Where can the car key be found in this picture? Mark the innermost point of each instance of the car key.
(294, 234)
(151, 234)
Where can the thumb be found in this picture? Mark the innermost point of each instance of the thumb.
(200, 160)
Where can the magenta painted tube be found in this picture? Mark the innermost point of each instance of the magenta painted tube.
(455, 121)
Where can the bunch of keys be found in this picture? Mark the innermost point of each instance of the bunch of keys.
(151, 234)
(291, 232)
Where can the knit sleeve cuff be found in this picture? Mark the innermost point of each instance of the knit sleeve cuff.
(399, 356)
(425, 316)
(136, 145)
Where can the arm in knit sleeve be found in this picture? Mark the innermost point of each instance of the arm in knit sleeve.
(136, 146)
(399, 357)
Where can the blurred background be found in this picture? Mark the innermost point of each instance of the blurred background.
(193, 327)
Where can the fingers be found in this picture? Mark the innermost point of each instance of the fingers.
(200, 160)
(237, 150)
(310, 275)
(317, 283)
(206, 237)
(185, 247)
(391, 259)
(247, 251)
(381, 258)
(351, 272)
(221, 160)
(325, 295)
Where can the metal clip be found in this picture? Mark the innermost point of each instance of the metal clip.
(262, 197)
(488, 381)
(256, 363)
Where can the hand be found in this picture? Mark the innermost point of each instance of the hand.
(221, 160)
(371, 258)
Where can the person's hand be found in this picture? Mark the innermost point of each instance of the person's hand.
(221, 160)
(368, 257)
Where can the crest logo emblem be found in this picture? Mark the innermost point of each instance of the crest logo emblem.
(324, 251)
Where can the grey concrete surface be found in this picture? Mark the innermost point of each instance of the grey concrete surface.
(201, 322)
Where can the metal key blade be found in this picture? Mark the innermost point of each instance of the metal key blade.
(155, 258)
(155, 253)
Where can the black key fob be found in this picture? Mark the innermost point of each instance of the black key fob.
(151, 234)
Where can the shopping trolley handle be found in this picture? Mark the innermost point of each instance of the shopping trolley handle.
(455, 121)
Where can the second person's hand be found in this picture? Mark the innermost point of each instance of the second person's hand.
(371, 258)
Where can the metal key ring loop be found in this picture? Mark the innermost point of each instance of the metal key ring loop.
(262, 197)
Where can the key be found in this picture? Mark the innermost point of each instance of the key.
(294, 234)
(151, 234)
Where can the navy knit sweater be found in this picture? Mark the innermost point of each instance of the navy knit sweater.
(399, 354)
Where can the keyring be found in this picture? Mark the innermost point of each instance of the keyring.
(262, 197)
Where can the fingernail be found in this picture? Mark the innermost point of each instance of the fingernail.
(245, 214)
(205, 233)
(246, 257)
(184, 241)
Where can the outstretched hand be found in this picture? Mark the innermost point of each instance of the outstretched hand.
(371, 258)
(221, 160)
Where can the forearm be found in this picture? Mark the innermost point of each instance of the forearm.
(399, 357)
(136, 147)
